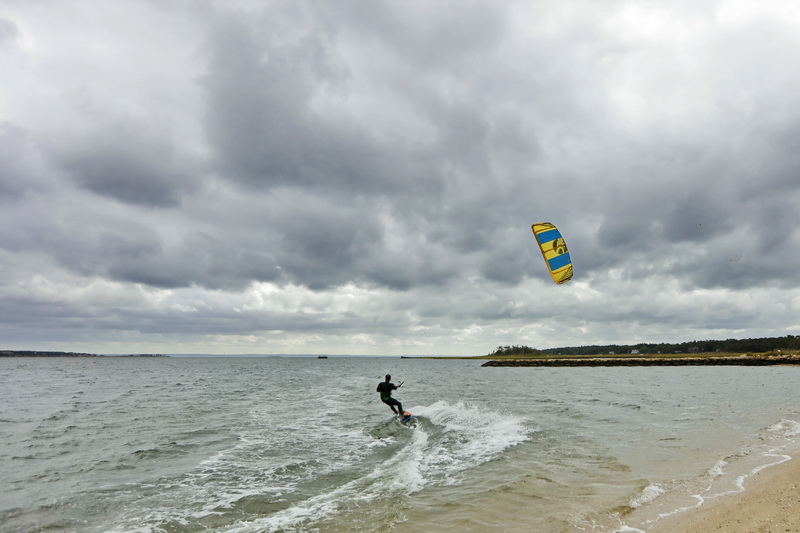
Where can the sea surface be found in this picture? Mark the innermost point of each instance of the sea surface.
(272, 444)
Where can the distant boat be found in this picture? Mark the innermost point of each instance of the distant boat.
(322, 357)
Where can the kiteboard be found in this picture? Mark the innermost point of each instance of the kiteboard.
(405, 417)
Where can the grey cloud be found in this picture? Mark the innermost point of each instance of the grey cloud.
(427, 38)
(374, 169)
(130, 163)
(260, 118)
(696, 218)
(13, 167)
(268, 130)
(9, 33)
(95, 251)
(212, 262)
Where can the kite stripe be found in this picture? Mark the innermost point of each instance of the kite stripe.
(549, 235)
(559, 261)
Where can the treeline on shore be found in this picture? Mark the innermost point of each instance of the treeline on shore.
(760, 345)
(29, 353)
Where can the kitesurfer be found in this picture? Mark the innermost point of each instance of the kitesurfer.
(386, 388)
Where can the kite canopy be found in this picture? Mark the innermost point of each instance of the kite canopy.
(554, 251)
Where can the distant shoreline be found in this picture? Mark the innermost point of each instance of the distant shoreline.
(730, 360)
(26, 353)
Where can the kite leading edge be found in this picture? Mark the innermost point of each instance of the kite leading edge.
(554, 251)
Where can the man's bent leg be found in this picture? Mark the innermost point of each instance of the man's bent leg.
(399, 406)
(390, 403)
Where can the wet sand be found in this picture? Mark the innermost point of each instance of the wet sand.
(770, 503)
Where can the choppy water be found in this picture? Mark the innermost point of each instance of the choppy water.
(303, 444)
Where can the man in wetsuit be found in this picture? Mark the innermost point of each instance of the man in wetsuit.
(386, 389)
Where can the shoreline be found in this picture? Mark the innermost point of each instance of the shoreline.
(742, 360)
(770, 502)
(28, 353)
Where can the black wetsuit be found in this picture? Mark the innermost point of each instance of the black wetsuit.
(386, 388)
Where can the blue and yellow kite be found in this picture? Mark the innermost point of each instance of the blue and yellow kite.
(554, 251)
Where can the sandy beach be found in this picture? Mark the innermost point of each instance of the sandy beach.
(770, 503)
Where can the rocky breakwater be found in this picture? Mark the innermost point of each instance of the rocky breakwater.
(742, 360)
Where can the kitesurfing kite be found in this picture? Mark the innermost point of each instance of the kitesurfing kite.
(554, 251)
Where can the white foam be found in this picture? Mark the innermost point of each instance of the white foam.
(405, 474)
(786, 428)
(315, 508)
(740, 481)
(381, 443)
(648, 494)
(486, 432)
(469, 436)
(451, 439)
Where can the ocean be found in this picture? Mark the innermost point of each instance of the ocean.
(293, 444)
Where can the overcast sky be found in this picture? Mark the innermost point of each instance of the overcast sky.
(361, 177)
